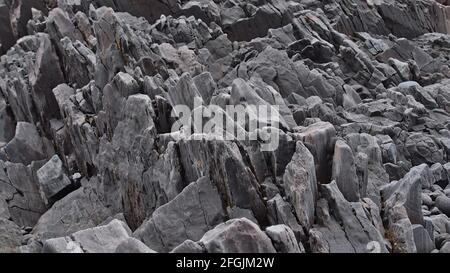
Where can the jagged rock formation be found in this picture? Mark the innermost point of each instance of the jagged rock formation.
(90, 160)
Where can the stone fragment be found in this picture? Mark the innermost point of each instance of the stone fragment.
(283, 239)
(53, 179)
(237, 236)
(344, 171)
(300, 185)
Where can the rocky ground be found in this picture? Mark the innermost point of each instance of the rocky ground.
(88, 161)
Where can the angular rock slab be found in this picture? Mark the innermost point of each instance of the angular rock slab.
(101, 239)
(320, 135)
(21, 191)
(300, 185)
(52, 179)
(237, 236)
(344, 227)
(26, 146)
(197, 209)
(443, 204)
(10, 236)
(223, 162)
(132, 245)
(281, 212)
(283, 239)
(77, 211)
(402, 209)
(422, 239)
(344, 171)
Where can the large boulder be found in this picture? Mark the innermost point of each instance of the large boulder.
(344, 171)
(53, 180)
(101, 239)
(237, 236)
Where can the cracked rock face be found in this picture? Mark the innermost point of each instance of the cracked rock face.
(94, 156)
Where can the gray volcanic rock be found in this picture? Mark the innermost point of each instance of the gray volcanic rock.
(443, 204)
(237, 236)
(10, 236)
(129, 126)
(132, 245)
(20, 189)
(403, 208)
(188, 246)
(344, 171)
(7, 123)
(7, 38)
(222, 161)
(45, 75)
(4, 210)
(281, 212)
(300, 185)
(26, 146)
(422, 239)
(197, 209)
(343, 226)
(320, 135)
(101, 239)
(283, 239)
(79, 210)
(52, 179)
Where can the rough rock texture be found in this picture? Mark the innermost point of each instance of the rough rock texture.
(283, 239)
(344, 226)
(237, 236)
(10, 236)
(101, 239)
(95, 156)
(300, 185)
(52, 179)
(132, 245)
(344, 171)
(197, 209)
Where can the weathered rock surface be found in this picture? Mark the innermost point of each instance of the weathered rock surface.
(237, 236)
(102, 151)
(132, 245)
(403, 208)
(53, 181)
(197, 209)
(20, 190)
(300, 185)
(79, 210)
(344, 226)
(10, 236)
(344, 171)
(283, 239)
(101, 239)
